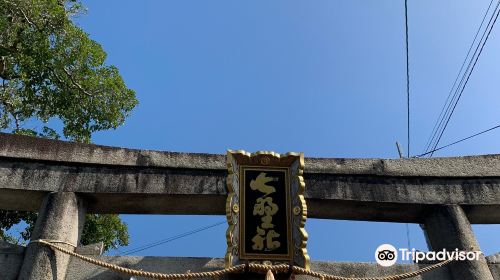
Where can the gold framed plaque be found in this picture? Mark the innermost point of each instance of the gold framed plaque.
(265, 209)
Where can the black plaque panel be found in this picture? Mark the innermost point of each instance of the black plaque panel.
(265, 213)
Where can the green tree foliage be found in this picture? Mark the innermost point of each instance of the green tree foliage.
(108, 229)
(10, 218)
(51, 70)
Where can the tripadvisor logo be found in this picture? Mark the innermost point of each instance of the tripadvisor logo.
(387, 255)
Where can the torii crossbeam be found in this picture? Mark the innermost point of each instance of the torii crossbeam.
(462, 190)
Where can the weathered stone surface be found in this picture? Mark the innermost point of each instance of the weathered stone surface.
(9, 248)
(448, 228)
(495, 270)
(494, 264)
(95, 249)
(61, 219)
(152, 190)
(17, 146)
(116, 180)
(495, 258)
(11, 258)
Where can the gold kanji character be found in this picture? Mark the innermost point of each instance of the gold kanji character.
(260, 184)
(260, 206)
(258, 240)
(270, 244)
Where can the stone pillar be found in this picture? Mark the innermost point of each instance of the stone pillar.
(61, 218)
(448, 228)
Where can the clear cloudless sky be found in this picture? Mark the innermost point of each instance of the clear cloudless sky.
(326, 78)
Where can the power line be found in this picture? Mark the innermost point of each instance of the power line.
(408, 236)
(163, 241)
(454, 91)
(447, 105)
(407, 102)
(441, 116)
(464, 80)
(442, 123)
(468, 77)
(456, 142)
(407, 78)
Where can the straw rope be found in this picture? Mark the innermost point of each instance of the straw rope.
(252, 267)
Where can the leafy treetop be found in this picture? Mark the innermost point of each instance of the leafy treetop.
(51, 69)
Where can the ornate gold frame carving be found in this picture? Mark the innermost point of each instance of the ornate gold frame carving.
(294, 162)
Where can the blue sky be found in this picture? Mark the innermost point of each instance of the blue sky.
(326, 78)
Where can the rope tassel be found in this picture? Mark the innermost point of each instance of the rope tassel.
(269, 275)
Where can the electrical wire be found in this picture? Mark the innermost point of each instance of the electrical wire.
(466, 81)
(453, 100)
(450, 108)
(407, 101)
(461, 86)
(456, 142)
(441, 116)
(163, 241)
(407, 77)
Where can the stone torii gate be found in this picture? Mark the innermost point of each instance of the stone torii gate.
(63, 181)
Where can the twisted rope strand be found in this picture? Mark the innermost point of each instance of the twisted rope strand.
(252, 267)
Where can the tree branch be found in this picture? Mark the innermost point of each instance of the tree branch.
(3, 70)
(27, 19)
(75, 83)
(9, 108)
